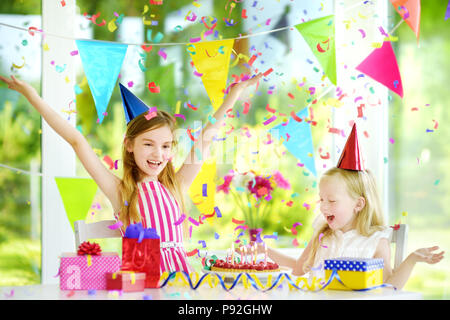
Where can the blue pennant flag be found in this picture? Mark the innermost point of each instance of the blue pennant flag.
(102, 63)
(299, 141)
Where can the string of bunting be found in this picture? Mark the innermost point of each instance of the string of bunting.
(246, 279)
(33, 29)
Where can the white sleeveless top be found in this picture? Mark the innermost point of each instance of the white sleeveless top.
(349, 244)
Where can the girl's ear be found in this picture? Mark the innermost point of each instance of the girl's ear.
(360, 204)
(128, 145)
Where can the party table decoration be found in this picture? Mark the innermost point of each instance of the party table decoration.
(86, 269)
(252, 193)
(354, 273)
(141, 253)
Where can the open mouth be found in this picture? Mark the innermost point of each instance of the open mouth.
(330, 218)
(154, 164)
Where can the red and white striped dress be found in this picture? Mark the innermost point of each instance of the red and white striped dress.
(160, 210)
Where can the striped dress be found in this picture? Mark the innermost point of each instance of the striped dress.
(160, 210)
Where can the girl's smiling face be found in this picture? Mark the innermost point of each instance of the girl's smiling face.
(152, 150)
(337, 206)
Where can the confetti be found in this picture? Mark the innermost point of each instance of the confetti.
(320, 240)
(179, 221)
(193, 221)
(116, 225)
(237, 221)
(153, 87)
(217, 211)
(179, 115)
(192, 253)
(269, 120)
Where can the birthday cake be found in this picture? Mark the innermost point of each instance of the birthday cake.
(223, 266)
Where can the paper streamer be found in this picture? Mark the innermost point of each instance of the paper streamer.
(187, 279)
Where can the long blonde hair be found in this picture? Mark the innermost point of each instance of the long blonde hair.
(131, 172)
(369, 220)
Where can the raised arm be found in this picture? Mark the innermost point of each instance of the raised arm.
(105, 179)
(191, 167)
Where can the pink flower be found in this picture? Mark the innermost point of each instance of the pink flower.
(281, 181)
(260, 187)
(225, 187)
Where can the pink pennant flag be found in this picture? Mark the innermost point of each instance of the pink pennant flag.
(381, 65)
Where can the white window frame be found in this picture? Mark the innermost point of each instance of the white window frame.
(375, 148)
(58, 157)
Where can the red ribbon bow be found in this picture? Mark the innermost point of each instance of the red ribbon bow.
(89, 248)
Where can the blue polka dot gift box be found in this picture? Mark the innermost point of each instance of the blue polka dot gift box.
(354, 273)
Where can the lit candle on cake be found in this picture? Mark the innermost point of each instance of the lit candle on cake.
(245, 254)
(255, 250)
(232, 252)
(265, 254)
(242, 254)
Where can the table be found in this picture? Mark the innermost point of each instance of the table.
(204, 292)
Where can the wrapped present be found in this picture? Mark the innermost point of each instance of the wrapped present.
(355, 273)
(82, 271)
(141, 253)
(127, 281)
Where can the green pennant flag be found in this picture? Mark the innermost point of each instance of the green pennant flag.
(77, 195)
(319, 35)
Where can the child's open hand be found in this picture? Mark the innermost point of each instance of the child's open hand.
(248, 82)
(426, 255)
(17, 85)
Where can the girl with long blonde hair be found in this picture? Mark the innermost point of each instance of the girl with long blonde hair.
(150, 192)
(351, 224)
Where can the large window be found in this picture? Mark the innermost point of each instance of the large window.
(418, 147)
(20, 149)
(402, 139)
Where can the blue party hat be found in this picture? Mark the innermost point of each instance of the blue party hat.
(132, 105)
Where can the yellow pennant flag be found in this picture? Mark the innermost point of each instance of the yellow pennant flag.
(77, 195)
(203, 189)
(211, 60)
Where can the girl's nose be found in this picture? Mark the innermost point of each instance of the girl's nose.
(157, 152)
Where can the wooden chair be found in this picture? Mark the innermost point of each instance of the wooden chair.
(400, 240)
(95, 230)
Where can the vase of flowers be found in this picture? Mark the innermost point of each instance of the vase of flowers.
(252, 194)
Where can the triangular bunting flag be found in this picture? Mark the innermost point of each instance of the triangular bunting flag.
(410, 12)
(381, 65)
(298, 139)
(319, 35)
(447, 13)
(101, 63)
(211, 60)
(203, 189)
(77, 195)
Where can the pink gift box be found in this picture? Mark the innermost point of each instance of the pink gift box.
(87, 271)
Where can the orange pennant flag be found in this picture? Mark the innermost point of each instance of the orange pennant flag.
(410, 12)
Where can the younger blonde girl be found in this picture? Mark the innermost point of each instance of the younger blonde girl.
(351, 224)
